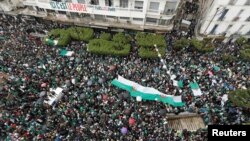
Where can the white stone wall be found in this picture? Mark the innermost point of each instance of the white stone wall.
(210, 18)
(9, 6)
(130, 12)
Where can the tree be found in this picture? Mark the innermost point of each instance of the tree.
(240, 98)
(228, 58)
(241, 41)
(180, 44)
(245, 54)
(105, 36)
(202, 46)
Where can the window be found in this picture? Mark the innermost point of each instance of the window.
(94, 2)
(169, 7)
(138, 4)
(124, 18)
(239, 30)
(232, 2)
(240, 12)
(111, 17)
(164, 22)
(66, 1)
(214, 29)
(229, 27)
(62, 12)
(238, 15)
(154, 5)
(39, 9)
(124, 3)
(50, 11)
(99, 17)
(73, 14)
(248, 19)
(248, 33)
(247, 2)
(138, 19)
(81, 1)
(109, 2)
(42, 1)
(151, 20)
(221, 18)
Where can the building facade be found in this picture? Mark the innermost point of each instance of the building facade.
(131, 14)
(226, 18)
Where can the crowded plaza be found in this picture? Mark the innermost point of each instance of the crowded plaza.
(91, 107)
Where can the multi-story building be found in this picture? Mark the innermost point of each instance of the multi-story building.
(229, 18)
(131, 14)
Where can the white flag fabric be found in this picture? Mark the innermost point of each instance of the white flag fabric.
(56, 97)
(146, 93)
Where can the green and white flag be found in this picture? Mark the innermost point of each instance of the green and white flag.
(146, 93)
(51, 42)
(178, 84)
(64, 52)
(56, 97)
(195, 88)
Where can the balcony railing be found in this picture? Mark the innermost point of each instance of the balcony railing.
(86, 8)
(153, 11)
(29, 2)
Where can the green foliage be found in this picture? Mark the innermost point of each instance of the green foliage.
(196, 44)
(208, 47)
(245, 54)
(149, 40)
(61, 35)
(240, 41)
(146, 43)
(246, 46)
(121, 39)
(202, 46)
(220, 39)
(240, 98)
(180, 44)
(150, 52)
(64, 36)
(119, 46)
(247, 123)
(104, 47)
(81, 34)
(228, 58)
(105, 36)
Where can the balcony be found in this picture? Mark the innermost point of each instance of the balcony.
(168, 12)
(87, 8)
(29, 2)
(153, 11)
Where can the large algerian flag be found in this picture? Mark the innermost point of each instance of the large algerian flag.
(195, 88)
(51, 42)
(64, 52)
(146, 93)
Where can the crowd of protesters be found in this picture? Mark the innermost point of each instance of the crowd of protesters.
(91, 108)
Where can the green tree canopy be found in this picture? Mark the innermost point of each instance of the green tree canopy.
(180, 44)
(240, 98)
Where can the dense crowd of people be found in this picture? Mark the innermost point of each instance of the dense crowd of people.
(91, 108)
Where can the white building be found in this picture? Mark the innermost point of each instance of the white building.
(229, 18)
(9, 5)
(131, 14)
